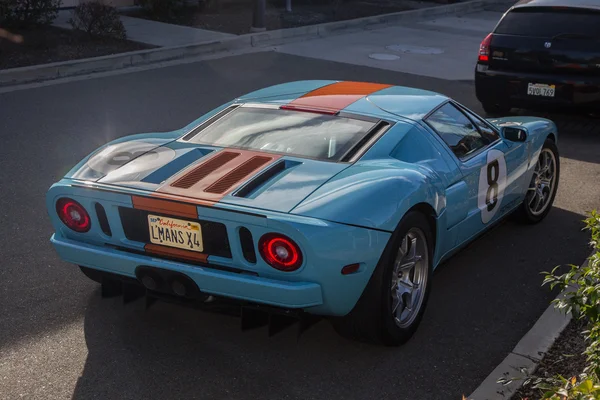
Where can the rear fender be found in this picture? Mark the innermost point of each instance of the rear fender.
(118, 152)
(376, 195)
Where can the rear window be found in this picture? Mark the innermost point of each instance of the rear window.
(548, 23)
(304, 134)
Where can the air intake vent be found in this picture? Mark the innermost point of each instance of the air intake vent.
(247, 245)
(265, 177)
(204, 169)
(103, 219)
(236, 175)
(366, 142)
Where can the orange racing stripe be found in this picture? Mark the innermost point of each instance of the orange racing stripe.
(336, 96)
(210, 180)
(164, 207)
(177, 253)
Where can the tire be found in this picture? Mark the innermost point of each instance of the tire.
(372, 320)
(497, 110)
(524, 213)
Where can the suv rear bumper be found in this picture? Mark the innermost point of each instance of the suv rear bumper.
(510, 89)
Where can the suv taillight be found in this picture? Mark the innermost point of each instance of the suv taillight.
(484, 49)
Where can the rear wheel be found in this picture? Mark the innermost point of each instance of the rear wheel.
(392, 305)
(543, 187)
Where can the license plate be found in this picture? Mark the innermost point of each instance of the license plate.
(540, 89)
(174, 232)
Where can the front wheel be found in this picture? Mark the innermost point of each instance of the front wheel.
(543, 186)
(392, 305)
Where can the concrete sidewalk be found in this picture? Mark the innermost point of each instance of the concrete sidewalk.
(153, 32)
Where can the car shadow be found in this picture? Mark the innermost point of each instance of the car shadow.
(484, 299)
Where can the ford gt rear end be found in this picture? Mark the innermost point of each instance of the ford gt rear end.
(202, 216)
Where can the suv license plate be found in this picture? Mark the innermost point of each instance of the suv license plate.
(540, 89)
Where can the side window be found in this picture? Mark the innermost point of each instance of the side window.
(486, 131)
(458, 131)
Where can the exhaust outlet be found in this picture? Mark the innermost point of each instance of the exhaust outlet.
(178, 288)
(168, 282)
(149, 282)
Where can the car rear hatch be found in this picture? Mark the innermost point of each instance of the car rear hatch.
(547, 40)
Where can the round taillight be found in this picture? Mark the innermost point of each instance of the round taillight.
(73, 215)
(280, 252)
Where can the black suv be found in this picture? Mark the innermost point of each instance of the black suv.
(542, 53)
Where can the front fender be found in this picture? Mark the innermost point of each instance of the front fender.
(538, 128)
(374, 195)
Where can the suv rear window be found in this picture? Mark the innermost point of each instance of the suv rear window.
(304, 134)
(548, 23)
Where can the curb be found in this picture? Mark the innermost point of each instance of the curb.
(526, 355)
(44, 72)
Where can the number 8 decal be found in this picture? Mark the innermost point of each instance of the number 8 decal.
(492, 182)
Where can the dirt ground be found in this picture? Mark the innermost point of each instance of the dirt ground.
(236, 16)
(564, 358)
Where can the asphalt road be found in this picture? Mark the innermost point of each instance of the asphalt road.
(59, 340)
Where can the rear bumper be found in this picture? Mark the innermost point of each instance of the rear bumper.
(317, 287)
(510, 88)
(220, 283)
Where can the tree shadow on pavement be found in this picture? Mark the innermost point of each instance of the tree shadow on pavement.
(484, 300)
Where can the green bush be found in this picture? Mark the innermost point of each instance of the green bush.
(560, 388)
(98, 19)
(162, 8)
(581, 289)
(28, 13)
(582, 294)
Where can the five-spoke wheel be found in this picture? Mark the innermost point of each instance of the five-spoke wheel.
(409, 277)
(543, 186)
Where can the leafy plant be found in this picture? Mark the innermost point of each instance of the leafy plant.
(98, 19)
(581, 297)
(560, 388)
(581, 286)
(28, 13)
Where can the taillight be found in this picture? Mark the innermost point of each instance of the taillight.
(73, 215)
(484, 48)
(280, 252)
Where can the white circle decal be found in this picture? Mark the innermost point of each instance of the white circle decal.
(492, 182)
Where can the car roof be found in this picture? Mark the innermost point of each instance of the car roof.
(587, 4)
(364, 98)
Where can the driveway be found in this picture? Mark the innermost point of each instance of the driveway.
(445, 47)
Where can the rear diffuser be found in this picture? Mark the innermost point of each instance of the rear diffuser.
(252, 316)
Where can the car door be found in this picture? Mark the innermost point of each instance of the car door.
(490, 168)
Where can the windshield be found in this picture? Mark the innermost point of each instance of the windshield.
(304, 134)
(549, 23)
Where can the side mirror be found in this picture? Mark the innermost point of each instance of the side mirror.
(514, 134)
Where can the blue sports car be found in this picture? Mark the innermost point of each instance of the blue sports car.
(303, 200)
